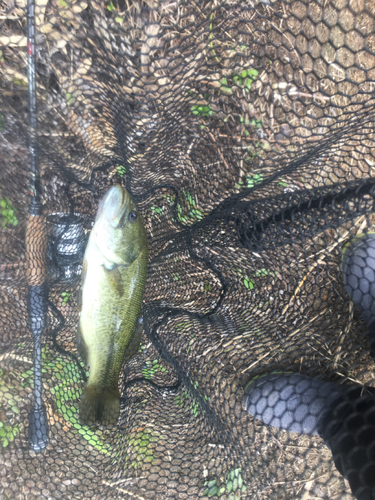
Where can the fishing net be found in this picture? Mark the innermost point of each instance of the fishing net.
(244, 131)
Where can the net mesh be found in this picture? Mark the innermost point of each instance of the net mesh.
(244, 131)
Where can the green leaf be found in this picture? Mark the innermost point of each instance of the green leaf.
(211, 483)
(213, 491)
(253, 72)
(235, 484)
(70, 98)
(249, 284)
(5, 442)
(66, 296)
(229, 486)
(15, 409)
(262, 272)
(240, 481)
(121, 170)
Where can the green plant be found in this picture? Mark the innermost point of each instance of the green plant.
(112, 8)
(66, 296)
(254, 122)
(151, 368)
(203, 110)
(254, 180)
(169, 198)
(8, 401)
(185, 396)
(121, 170)
(249, 282)
(6, 397)
(70, 99)
(157, 210)
(193, 213)
(67, 393)
(2, 117)
(8, 433)
(233, 487)
(250, 182)
(140, 449)
(246, 78)
(7, 212)
(182, 325)
(28, 377)
(211, 40)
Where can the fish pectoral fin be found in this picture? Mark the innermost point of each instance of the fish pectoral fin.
(115, 280)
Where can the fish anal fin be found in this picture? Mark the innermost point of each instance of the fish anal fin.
(81, 347)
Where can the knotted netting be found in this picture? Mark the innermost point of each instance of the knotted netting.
(244, 131)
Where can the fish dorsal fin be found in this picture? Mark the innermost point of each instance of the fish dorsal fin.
(115, 280)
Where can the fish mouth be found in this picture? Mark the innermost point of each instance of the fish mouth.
(113, 205)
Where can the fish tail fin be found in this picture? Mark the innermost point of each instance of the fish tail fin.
(99, 405)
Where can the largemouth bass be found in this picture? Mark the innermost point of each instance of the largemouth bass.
(113, 281)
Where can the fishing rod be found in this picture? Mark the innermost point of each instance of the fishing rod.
(36, 250)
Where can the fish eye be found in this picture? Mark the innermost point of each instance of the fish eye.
(132, 216)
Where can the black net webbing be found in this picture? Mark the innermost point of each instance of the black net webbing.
(244, 131)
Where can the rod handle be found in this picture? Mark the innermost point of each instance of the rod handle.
(36, 249)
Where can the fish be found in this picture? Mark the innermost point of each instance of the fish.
(112, 285)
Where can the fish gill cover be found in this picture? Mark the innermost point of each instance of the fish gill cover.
(244, 131)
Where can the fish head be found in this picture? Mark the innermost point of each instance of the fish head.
(118, 230)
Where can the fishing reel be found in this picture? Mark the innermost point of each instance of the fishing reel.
(66, 243)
